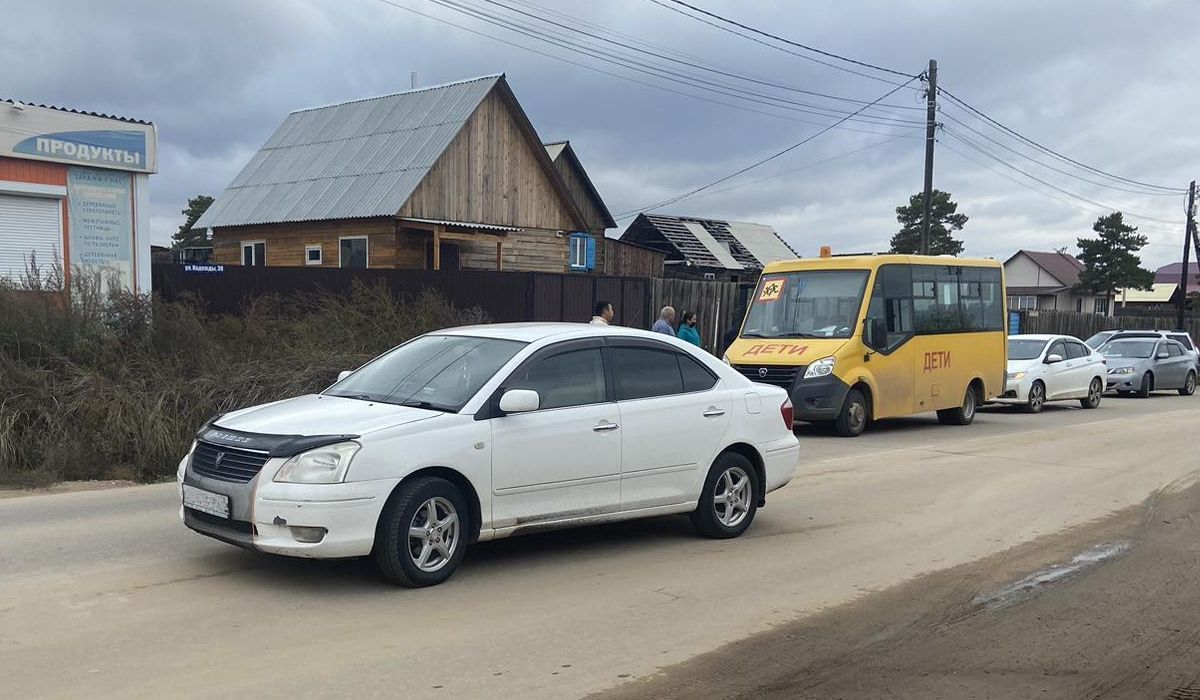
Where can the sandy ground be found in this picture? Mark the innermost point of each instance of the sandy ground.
(1123, 627)
(103, 594)
(66, 487)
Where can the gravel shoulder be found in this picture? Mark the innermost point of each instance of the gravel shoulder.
(1126, 627)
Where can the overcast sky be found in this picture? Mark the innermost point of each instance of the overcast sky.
(1107, 82)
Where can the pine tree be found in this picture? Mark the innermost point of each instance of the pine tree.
(1110, 261)
(945, 216)
(186, 236)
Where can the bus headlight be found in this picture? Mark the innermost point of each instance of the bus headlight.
(821, 368)
(725, 359)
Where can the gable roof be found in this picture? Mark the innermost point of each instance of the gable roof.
(361, 158)
(731, 245)
(561, 151)
(56, 108)
(1061, 266)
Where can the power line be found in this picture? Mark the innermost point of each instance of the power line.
(797, 44)
(691, 62)
(968, 142)
(619, 76)
(789, 171)
(760, 162)
(1068, 173)
(1046, 149)
(660, 71)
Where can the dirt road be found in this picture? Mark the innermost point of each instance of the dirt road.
(104, 595)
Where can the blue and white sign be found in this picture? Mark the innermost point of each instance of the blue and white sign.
(63, 136)
(101, 222)
(204, 269)
(107, 149)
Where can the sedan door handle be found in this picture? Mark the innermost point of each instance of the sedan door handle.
(605, 427)
(713, 412)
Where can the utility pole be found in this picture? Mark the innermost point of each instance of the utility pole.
(930, 129)
(1189, 231)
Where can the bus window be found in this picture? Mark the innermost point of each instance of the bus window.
(892, 300)
(807, 304)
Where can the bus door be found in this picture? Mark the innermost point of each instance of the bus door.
(892, 365)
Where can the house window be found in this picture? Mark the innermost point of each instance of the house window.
(312, 255)
(352, 252)
(1021, 303)
(254, 253)
(1079, 305)
(581, 252)
(1101, 305)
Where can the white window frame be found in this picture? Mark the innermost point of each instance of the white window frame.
(320, 255)
(1018, 305)
(354, 238)
(578, 244)
(251, 244)
(1096, 306)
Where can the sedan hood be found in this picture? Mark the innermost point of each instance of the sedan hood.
(318, 414)
(1023, 365)
(1115, 362)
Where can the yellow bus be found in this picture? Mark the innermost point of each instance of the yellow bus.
(860, 338)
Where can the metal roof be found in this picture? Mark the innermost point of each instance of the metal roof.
(1159, 292)
(350, 160)
(102, 115)
(683, 233)
(463, 224)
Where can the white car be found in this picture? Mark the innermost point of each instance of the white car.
(483, 432)
(1045, 368)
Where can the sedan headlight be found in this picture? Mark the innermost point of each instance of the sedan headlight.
(324, 465)
(1016, 376)
(1121, 370)
(821, 368)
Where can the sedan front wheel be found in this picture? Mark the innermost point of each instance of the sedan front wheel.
(422, 534)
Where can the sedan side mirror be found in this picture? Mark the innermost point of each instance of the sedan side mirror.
(1053, 358)
(1163, 354)
(520, 401)
(344, 373)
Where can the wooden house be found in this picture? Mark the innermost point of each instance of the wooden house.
(732, 251)
(446, 177)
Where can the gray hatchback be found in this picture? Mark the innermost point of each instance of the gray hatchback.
(1142, 365)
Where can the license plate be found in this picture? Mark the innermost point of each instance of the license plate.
(206, 501)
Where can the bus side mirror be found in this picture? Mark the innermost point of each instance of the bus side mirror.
(875, 334)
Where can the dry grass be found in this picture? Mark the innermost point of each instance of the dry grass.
(114, 386)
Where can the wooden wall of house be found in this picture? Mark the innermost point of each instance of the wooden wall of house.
(388, 246)
(578, 189)
(491, 174)
(527, 251)
(621, 259)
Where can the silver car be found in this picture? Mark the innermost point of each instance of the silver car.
(1145, 364)
(1182, 337)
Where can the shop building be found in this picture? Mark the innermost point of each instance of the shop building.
(74, 193)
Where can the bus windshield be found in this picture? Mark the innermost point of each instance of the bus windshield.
(811, 304)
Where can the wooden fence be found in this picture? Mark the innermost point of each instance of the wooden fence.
(1083, 325)
(717, 306)
(504, 296)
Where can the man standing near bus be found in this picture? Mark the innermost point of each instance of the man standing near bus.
(602, 314)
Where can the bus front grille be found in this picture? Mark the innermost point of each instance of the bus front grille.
(783, 377)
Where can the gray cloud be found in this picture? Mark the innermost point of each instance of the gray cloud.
(1106, 82)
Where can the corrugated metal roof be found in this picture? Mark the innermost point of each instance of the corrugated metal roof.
(555, 149)
(1160, 292)
(762, 242)
(714, 248)
(349, 160)
(117, 117)
(464, 224)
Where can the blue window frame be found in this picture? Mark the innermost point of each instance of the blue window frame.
(581, 252)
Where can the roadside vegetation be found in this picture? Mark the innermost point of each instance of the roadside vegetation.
(112, 385)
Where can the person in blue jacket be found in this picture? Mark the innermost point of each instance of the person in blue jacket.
(688, 330)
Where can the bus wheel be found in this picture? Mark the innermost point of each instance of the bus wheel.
(852, 421)
(964, 414)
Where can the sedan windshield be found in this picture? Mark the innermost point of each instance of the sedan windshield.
(1128, 348)
(1097, 340)
(437, 372)
(818, 304)
(1025, 348)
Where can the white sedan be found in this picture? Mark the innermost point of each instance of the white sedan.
(482, 432)
(1045, 368)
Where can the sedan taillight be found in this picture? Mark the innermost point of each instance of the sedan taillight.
(786, 411)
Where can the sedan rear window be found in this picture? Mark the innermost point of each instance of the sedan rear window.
(1128, 348)
(438, 372)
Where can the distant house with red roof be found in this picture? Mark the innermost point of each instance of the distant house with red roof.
(1038, 280)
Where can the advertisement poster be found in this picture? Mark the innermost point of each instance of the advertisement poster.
(101, 222)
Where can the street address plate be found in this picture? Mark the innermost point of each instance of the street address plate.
(205, 501)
